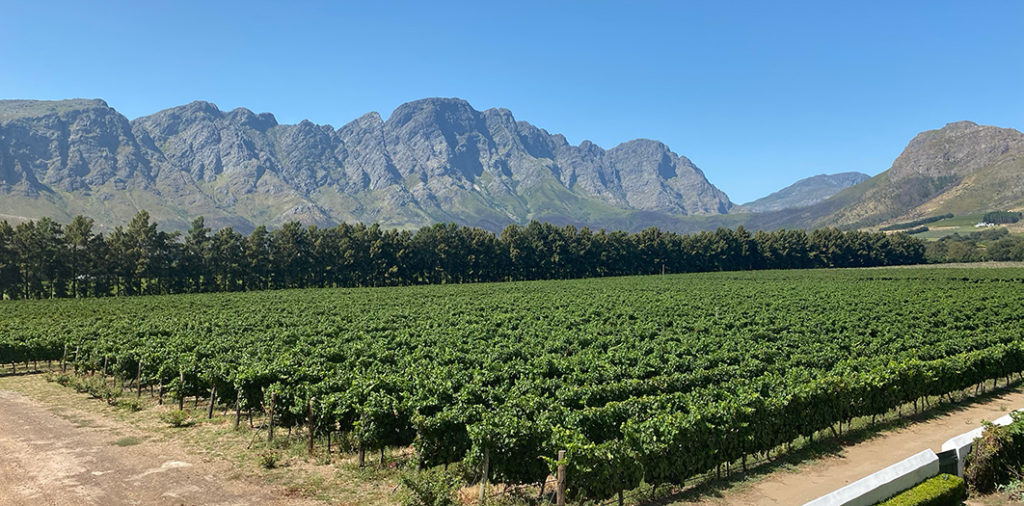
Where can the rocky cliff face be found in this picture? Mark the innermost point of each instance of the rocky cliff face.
(69, 145)
(431, 160)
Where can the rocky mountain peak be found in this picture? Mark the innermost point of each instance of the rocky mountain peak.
(960, 125)
(11, 110)
(447, 115)
(245, 118)
(69, 145)
(954, 151)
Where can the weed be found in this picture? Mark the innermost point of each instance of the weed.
(177, 418)
(269, 459)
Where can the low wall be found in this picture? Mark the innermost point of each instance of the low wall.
(885, 483)
(962, 444)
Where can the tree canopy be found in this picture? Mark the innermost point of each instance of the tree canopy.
(44, 259)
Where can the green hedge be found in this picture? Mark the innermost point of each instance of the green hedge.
(942, 490)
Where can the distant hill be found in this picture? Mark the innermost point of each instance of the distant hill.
(962, 168)
(432, 160)
(803, 192)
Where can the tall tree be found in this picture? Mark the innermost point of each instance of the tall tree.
(259, 259)
(199, 256)
(228, 260)
(82, 246)
(290, 255)
(8, 262)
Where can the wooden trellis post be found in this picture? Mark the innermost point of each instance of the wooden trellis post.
(138, 381)
(560, 485)
(181, 389)
(312, 426)
(238, 407)
(483, 479)
(213, 399)
(270, 432)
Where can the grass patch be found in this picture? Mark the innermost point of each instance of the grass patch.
(128, 441)
(177, 418)
(963, 220)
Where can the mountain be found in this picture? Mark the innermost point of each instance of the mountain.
(440, 160)
(961, 168)
(804, 192)
(432, 160)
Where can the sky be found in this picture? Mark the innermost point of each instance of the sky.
(756, 94)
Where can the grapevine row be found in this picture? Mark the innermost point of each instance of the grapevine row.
(652, 379)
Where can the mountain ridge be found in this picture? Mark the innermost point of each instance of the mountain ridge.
(807, 191)
(440, 160)
(434, 159)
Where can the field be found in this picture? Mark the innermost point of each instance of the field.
(650, 380)
(963, 225)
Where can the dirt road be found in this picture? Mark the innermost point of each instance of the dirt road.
(82, 460)
(819, 477)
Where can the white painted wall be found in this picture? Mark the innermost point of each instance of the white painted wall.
(885, 483)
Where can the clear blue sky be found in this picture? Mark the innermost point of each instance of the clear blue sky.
(757, 94)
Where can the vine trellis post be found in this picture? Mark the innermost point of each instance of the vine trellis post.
(312, 426)
(560, 477)
(270, 423)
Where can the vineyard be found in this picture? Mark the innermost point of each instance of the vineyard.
(654, 380)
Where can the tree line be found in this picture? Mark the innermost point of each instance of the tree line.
(1001, 217)
(44, 259)
(993, 244)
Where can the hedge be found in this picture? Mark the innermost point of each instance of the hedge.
(942, 490)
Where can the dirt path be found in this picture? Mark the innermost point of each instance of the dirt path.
(819, 477)
(81, 460)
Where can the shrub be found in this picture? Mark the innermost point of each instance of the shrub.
(996, 457)
(176, 418)
(941, 490)
(269, 459)
(430, 488)
(61, 378)
(1014, 490)
(132, 405)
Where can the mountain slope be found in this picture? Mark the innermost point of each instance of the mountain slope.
(431, 160)
(803, 192)
(961, 168)
(934, 163)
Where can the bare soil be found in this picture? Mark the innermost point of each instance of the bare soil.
(79, 458)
